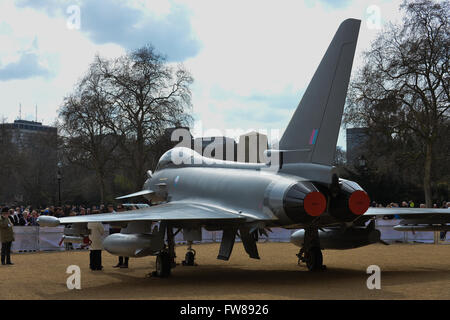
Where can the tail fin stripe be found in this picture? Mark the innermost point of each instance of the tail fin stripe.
(313, 138)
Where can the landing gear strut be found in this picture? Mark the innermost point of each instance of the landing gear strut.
(163, 265)
(190, 256)
(165, 260)
(311, 253)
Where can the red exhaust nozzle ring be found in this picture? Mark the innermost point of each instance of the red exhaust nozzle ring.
(315, 203)
(359, 202)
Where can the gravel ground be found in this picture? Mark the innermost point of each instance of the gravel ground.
(408, 271)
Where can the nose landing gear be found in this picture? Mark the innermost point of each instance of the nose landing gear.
(190, 256)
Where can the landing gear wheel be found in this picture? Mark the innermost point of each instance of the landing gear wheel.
(189, 258)
(163, 265)
(314, 259)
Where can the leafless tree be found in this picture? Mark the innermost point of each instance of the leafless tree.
(147, 95)
(85, 115)
(402, 91)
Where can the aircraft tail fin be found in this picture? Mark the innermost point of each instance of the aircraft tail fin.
(314, 127)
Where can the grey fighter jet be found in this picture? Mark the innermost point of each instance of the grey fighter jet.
(297, 188)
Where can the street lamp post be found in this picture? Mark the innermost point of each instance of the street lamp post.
(362, 162)
(58, 176)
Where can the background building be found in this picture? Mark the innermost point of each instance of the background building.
(356, 139)
(29, 162)
(251, 147)
(22, 132)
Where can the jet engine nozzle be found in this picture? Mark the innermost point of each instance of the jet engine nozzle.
(351, 201)
(303, 202)
(358, 202)
(315, 203)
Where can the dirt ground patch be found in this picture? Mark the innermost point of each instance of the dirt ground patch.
(408, 271)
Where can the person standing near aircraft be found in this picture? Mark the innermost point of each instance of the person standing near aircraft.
(96, 246)
(123, 261)
(7, 236)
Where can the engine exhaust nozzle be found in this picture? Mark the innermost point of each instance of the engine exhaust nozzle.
(350, 203)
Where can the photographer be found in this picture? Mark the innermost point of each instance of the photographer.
(7, 236)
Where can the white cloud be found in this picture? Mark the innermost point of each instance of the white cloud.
(248, 49)
(65, 53)
(265, 48)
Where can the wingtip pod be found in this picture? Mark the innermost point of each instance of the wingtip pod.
(48, 221)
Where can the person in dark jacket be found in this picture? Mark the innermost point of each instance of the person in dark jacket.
(123, 261)
(6, 236)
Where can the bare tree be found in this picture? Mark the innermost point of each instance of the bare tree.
(85, 114)
(402, 92)
(147, 95)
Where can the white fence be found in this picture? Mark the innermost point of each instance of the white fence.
(389, 234)
(28, 239)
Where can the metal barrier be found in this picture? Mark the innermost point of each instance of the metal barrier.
(26, 239)
(31, 239)
(389, 234)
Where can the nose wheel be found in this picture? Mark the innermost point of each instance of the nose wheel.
(190, 256)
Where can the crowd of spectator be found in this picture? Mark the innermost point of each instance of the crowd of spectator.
(409, 204)
(28, 216)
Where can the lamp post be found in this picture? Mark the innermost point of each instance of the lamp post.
(362, 171)
(58, 176)
(362, 162)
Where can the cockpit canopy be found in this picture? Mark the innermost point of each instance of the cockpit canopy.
(178, 157)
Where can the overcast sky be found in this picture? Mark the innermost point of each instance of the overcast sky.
(251, 60)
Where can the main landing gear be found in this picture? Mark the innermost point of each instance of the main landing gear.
(163, 265)
(165, 259)
(311, 253)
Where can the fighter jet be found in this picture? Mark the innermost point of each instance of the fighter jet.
(297, 188)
